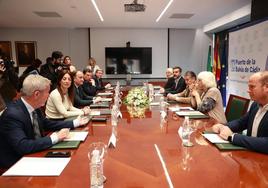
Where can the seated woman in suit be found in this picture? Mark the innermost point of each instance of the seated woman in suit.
(208, 100)
(60, 101)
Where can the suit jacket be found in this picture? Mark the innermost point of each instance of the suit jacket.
(89, 89)
(171, 85)
(80, 98)
(259, 143)
(99, 84)
(17, 134)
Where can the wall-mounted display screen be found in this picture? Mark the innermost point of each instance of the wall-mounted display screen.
(128, 60)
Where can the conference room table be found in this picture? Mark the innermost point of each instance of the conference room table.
(135, 162)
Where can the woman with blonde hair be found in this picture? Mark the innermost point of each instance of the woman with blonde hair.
(92, 65)
(208, 100)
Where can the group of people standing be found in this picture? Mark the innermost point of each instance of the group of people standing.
(202, 94)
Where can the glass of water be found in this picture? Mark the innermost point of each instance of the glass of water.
(187, 130)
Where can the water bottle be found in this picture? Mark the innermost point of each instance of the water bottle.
(96, 170)
(114, 120)
(151, 92)
(162, 104)
(186, 132)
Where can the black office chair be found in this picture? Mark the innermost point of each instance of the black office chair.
(236, 107)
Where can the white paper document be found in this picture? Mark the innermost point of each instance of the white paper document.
(157, 87)
(106, 99)
(38, 166)
(105, 94)
(154, 103)
(158, 94)
(189, 113)
(76, 136)
(180, 108)
(214, 138)
(95, 113)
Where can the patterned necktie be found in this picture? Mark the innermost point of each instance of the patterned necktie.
(37, 133)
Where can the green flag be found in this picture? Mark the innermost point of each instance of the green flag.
(209, 62)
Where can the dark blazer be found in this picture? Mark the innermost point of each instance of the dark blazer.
(17, 134)
(99, 84)
(259, 143)
(89, 89)
(172, 88)
(80, 98)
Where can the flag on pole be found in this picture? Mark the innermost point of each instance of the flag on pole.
(209, 62)
(216, 62)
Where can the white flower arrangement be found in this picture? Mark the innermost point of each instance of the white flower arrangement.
(136, 97)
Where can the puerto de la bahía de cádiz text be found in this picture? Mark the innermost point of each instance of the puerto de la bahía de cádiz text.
(248, 65)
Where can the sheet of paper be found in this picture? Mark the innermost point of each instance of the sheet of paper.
(95, 113)
(106, 99)
(76, 136)
(214, 138)
(158, 94)
(186, 108)
(174, 108)
(188, 113)
(154, 103)
(38, 166)
(105, 94)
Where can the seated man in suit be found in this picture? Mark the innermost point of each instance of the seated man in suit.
(255, 121)
(98, 80)
(185, 95)
(89, 83)
(175, 84)
(80, 98)
(22, 123)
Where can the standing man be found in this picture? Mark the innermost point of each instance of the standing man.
(51, 68)
(175, 84)
(23, 124)
(255, 121)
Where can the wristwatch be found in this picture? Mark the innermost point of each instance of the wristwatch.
(229, 138)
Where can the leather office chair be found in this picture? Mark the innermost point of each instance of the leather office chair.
(236, 107)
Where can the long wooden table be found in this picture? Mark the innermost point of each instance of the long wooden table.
(134, 163)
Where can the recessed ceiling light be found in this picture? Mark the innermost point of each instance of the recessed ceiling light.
(97, 9)
(165, 9)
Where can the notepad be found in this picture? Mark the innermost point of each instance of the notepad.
(105, 94)
(178, 108)
(192, 114)
(229, 146)
(76, 136)
(220, 143)
(38, 166)
(106, 99)
(66, 145)
(214, 138)
(100, 105)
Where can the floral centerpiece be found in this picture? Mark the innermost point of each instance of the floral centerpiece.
(137, 102)
(136, 97)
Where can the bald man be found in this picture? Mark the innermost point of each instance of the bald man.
(255, 121)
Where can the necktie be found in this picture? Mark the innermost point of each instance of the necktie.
(37, 133)
(176, 83)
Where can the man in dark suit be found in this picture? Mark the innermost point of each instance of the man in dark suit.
(80, 98)
(175, 84)
(98, 80)
(255, 121)
(22, 123)
(89, 83)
